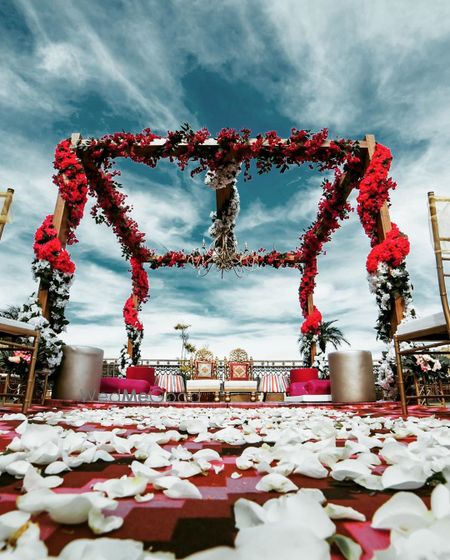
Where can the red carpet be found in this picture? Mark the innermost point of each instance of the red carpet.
(187, 526)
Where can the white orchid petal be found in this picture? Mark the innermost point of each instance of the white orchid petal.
(144, 498)
(18, 468)
(12, 521)
(349, 469)
(404, 511)
(122, 487)
(103, 548)
(404, 477)
(440, 501)
(56, 467)
(185, 469)
(336, 511)
(275, 482)
(248, 514)
(34, 481)
(183, 489)
(100, 524)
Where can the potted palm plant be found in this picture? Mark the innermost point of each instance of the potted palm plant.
(328, 334)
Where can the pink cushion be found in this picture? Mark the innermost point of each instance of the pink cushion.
(303, 374)
(145, 373)
(116, 384)
(297, 389)
(318, 387)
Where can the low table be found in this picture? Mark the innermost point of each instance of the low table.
(240, 387)
(203, 386)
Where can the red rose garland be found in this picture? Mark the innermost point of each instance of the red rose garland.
(374, 191)
(72, 184)
(311, 324)
(47, 247)
(130, 315)
(392, 251)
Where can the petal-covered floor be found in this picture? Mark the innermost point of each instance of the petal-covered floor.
(185, 526)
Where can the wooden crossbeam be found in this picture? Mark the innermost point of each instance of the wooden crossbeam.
(209, 144)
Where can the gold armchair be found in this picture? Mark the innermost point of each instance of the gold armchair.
(431, 332)
(239, 375)
(204, 375)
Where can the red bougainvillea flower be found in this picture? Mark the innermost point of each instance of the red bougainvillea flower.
(392, 251)
(311, 324)
(130, 314)
(48, 247)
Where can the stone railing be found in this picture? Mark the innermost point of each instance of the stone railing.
(260, 367)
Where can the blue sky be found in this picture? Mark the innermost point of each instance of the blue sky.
(95, 68)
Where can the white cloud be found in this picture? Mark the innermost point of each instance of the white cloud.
(375, 67)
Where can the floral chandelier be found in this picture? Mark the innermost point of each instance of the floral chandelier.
(86, 168)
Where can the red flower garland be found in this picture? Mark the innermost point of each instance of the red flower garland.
(72, 184)
(48, 247)
(130, 314)
(392, 251)
(374, 191)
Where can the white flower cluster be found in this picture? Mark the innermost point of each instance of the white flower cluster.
(224, 177)
(381, 284)
(59, 284)
(50, 344)
(385, 374)
(222, 229)
(321, 364)
(125, 360)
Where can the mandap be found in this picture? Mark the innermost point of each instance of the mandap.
(85, 167)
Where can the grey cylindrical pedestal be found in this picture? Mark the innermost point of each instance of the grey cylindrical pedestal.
(351, 376)
(80, 374)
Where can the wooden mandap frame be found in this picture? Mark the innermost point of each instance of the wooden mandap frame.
(367, 148)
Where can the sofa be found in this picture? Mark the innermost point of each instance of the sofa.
(306, 382)
(140, 379)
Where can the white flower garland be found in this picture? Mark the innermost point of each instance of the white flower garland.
(222, 229)
(321, 364)
(125, 360)
(50, 344)
(382, 284)
(59, 284)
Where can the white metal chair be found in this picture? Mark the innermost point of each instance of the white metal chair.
(431, 332)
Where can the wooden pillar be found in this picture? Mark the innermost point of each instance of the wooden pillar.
(61, 223)
(130, 348)
(5, 210)
(310, 304)
(384, 226)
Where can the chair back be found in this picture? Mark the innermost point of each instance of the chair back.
(238, 366)
(205, 365)
(440, 228)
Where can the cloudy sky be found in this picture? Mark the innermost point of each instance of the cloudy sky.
(98, 67)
